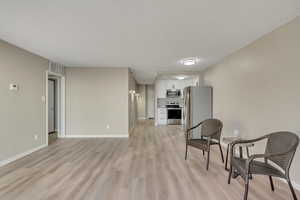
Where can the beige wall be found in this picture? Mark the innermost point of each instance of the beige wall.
(132, 102)
(22, 113)
(95, 98)
(257, 89)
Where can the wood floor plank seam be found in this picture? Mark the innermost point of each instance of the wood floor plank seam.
(150, 165)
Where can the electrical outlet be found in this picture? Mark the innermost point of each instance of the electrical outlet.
(36, 137)
(107, 126)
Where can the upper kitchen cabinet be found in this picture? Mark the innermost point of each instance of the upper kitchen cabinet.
(181, 84)
(171, 84)
(176, 84)
(161, 86)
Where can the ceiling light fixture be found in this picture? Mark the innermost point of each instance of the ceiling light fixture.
(180, 77)
(189, 61)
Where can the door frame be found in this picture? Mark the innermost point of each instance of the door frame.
(61, 107)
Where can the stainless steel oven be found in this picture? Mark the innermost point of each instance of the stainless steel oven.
(174, 113)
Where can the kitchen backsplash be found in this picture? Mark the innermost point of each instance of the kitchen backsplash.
(162, 102)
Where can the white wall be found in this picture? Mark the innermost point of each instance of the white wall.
(150, 101)
(257, 89)
(22, 113)
(142, 102)
(96, 98)
(132, 102)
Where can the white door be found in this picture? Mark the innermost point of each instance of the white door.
(51, 105)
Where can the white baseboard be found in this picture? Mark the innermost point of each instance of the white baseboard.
(142, 118)
(295, 185)
(97, 136)
(21, 155)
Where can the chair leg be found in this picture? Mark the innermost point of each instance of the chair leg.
(207, 164)
(230, 174)
(222, 156)
(203, 152)
(291, 188)
(186, 151)
(246, 187)
(271, 182)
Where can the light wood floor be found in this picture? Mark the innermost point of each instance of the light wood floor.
(148, 166)
(52, 137)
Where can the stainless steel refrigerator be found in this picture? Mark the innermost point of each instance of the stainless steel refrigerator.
(197, 107)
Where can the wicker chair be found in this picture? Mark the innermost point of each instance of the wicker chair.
(280, 149)
(211, 130)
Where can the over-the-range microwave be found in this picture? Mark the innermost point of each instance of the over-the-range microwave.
(173, 93)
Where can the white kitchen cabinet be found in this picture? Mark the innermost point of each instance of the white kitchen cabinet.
(170, 84)
(161, 88)
(162, 116)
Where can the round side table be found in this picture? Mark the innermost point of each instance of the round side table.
(230, 139)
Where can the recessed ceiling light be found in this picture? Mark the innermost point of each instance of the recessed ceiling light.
(180, 77)
(189, 61)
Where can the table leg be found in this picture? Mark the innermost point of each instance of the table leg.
(235, 173)
(241, 152)
(227, 154)
(248, 154)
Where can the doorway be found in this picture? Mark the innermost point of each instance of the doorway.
(52, 110)
(55, 107)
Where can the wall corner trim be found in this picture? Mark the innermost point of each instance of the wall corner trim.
(21, 155)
